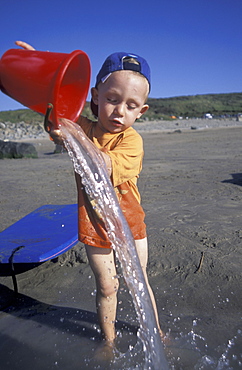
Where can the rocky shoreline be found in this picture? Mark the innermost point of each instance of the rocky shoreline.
(12, 135)
(20, 131)
(185, 124)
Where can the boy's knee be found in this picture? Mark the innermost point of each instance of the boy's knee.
(109, 288)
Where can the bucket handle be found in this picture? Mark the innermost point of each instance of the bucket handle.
(47, 115)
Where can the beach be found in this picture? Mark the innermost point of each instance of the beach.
(191, 190)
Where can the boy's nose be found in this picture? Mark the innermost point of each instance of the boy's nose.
(119, 109)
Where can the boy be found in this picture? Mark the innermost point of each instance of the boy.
(118, 99)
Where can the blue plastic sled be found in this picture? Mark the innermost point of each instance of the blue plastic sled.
(42, 235)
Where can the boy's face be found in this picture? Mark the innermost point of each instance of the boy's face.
(121, 100)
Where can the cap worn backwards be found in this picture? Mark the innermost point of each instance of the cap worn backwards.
(117, 62)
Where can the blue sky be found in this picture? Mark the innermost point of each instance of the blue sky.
(192, 46)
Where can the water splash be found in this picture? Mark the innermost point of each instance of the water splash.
(89, 164)
(191, 350)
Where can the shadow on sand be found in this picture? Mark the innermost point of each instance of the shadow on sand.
(236, 179)
(41, 335)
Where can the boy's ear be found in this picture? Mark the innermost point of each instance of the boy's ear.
(143, 110)
(94, 93)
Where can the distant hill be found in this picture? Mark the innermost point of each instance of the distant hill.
(163, 108)
(27, 115)
(195, 106)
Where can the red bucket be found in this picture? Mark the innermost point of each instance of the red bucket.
(38, 78)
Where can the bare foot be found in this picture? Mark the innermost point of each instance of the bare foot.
(105, 352)
(166, 339)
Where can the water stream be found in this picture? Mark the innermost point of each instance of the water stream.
(89, 164)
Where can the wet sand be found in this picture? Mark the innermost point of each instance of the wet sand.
(192, 195)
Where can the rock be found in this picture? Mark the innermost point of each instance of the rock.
(10, 149)
(59, 149)
(19, 130)
(177, 131)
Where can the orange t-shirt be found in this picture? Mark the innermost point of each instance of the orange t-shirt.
(126, 152)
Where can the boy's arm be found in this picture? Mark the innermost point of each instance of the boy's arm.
(107, 160)
(127, 158)
(57, 138)
(55, 134)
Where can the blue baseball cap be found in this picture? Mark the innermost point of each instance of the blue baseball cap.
(121, 61)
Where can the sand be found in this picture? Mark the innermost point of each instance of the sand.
(192, 195)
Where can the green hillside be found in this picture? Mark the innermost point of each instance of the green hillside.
(196, 105)
(27, 115)
(184, 106)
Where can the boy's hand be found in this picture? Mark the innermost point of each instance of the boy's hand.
(24, 45)
(56, 136)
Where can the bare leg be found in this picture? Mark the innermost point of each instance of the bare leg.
(142, 250)
(102, 263)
